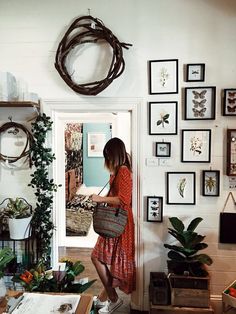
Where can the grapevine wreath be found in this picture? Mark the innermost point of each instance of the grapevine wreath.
(88, 29)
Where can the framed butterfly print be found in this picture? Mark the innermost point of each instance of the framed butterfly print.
(154, 208)
(200, 103)
(163, 76)
(163, 117)
(196, 145)
(195, 72)
(229, 102)
(163, 149)
(210, 182)
(181, 188)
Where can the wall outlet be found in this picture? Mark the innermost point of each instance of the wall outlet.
(152, 162)
(164, 162)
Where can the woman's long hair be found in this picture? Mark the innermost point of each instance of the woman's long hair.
(115, 155)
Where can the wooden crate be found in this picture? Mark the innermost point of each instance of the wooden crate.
(159, 290)
(189, 291)
(169, 309)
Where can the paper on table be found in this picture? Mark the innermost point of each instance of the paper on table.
(36, 303)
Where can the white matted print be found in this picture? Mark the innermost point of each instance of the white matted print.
(163, 76)
(96, 143)
(196, 145)
(181, 188)
(163, 117)
(200, 103)
(154, 208)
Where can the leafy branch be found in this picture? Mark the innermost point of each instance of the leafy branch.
(42, 157)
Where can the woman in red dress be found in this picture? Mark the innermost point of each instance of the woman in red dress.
(114, 258)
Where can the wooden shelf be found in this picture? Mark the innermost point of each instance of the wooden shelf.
(19, 110)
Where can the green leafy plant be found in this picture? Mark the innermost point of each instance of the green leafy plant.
(17, 208)
(163, 120)
(184, 258)
(6, 255)
(42, 280)
(42, 157)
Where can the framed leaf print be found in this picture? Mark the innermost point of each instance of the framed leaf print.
(163, 117)
(210, 182)
(163, 76)
(196, 145)
(181, 188)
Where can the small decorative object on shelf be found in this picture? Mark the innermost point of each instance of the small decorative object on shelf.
(231, 152)
(41, 279)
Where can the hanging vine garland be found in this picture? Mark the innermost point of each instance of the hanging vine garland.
(88, 29)
(42, 157)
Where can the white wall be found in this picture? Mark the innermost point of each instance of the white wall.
(189, 30)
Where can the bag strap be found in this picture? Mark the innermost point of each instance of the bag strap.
(230, 194)
(107, 184)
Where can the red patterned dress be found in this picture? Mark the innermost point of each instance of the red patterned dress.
(119, 252)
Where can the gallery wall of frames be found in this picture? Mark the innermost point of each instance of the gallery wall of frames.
(198, 103)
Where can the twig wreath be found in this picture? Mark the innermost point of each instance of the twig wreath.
(88, 29)
(13, 128)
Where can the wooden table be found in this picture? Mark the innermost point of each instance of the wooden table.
(84, 307)
(169, 309)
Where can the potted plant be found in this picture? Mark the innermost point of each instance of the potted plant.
(19, 213)
(6, 255)
(184, 258)
(41, 279)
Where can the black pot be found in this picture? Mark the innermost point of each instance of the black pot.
(194, 268)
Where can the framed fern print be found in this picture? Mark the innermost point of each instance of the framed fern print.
(163, 117)
(181, 188)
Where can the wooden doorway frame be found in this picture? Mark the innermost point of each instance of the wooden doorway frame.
(56, 108)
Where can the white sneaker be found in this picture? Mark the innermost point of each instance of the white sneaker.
(97, 303)
(110, 307)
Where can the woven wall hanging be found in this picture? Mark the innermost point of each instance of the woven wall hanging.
(84, 30)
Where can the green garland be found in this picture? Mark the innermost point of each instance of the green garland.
(42, 157)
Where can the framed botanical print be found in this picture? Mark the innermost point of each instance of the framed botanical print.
(196, 145)
(195, 72)
(181, 188)
(229, 102)
(163, 149)
(154, 208)
(210, 182)
(163, 117)
(96, 143)
(200, 103)
(163, 76)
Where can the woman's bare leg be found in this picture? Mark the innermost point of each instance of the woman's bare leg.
(106, 278)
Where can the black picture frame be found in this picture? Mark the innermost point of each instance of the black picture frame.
(229, 102)
(196, 145)
(181, 188)
(211, 182)
(163, 76)
(199, 103)
(163, 118)
(163, 149)
(195, 72)
(155, 208)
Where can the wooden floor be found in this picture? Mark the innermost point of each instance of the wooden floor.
(83, 254)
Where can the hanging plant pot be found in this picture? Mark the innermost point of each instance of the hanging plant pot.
(19, 228)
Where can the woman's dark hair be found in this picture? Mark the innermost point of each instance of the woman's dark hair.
(115, 155)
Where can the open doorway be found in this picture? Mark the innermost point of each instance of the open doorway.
(62, 111)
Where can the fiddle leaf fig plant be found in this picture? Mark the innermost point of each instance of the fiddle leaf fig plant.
(184, 258)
